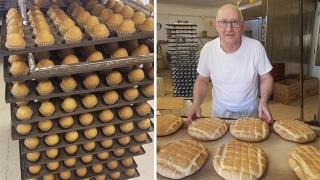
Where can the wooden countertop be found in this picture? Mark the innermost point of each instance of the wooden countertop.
(274, 146)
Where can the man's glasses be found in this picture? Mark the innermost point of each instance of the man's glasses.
(234, 24)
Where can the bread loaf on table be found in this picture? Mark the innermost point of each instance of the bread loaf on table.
(181, 158)
(304, 160)
(249, 129)
(294, 130)
(207, 129)
(240, 161)
(168, 124)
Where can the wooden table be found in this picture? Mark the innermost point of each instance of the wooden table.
(274, 146)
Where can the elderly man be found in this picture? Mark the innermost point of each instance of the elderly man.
(235, 64)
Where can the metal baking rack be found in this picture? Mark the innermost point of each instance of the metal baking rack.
(183, 57)
(77, 71)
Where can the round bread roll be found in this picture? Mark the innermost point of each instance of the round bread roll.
(119, 151)
(110, 97)
(90, 133)
(144, 124)
(106, 116)
(86, 158)
(124, 140)
(89, 101)
(71, 149)
(35, 169)
(33, 156)
(48, 177)
(52, 140)
(140, 137)
(108, 130)
(45, 125)
(69, 104)
(125, 112)
(135, 148)
(52, 166)
(113, 164)
(89, 146)
(103, 155)
(107, 143)
(127, 162)
(31, 142)
(70, 162)
(143, 109)
(131, 93)
(114, 78)
(71, 136)
(148, 90)
(86, 119)
(100, 177)
(23, 129)
(66, 174)
(130, 172)
(126, 127)
(66, 122)
(168, 124)
(52, 153)
(115, 175)
(136, 75)
(97, 168)
(81, 171)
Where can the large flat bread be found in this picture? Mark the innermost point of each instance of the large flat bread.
(207, 129)
(304, 160)
(240, 161)
(181, 158)
(294, 130)
(249, 129)
(168, 124)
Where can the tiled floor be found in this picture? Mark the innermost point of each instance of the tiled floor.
(9, 150)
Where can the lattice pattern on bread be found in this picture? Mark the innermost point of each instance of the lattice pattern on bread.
(240, 161)
(249, 129)
(181, 158)
(207, 129)
(168, 124)
(294, 130)
(304, 160)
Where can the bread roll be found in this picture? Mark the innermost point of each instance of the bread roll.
(168, 124)
(207, 129)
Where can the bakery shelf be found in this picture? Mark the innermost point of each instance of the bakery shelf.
(82, 152)
(79, 110)
(57, 129)
(138, 7)
(81, 140)
(82, 67)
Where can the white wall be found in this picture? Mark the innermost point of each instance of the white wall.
(200, 15)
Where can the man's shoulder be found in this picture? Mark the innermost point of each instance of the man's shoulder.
(211, 44)
(251, 42)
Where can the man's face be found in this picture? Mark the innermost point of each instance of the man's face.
(229, 25)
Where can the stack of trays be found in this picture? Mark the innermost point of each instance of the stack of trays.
(183, 57)
(98, 140)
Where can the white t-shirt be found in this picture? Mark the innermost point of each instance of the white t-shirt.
(234, 76)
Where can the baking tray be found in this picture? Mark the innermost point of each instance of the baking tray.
(79, 110)
(82, 67)
(80, 89)
(57, 129)
(138, 7)
(45, 171)
(59, 41)
(81, 140)
(81, 152)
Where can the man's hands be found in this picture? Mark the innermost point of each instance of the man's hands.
(194, 113)
(264, 112)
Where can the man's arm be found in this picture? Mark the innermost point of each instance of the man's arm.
(266, 88)
(199, 93)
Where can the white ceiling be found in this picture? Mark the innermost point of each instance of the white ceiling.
(215, 3)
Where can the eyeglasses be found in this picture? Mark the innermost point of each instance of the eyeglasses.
(234, 24)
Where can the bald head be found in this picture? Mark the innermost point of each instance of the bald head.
(229, 11)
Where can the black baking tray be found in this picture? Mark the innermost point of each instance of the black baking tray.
(80, 89)
(45, 171)
(81, 152)
(79, 110)
(56, 128)
(59, 41)
(81, 140)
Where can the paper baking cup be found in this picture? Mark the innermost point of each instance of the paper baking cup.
(124, 34)
(101, 37)
(47, 113)
(21, 74)
(109, 102)
(130, 98)
(91, 86)
(20, 95)
(112, 27)
(15, 47)
(44, 43)
(67, 89)
(72, 41)
(69, 110)
(44, 93)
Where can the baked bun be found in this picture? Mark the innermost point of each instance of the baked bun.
(168, 124)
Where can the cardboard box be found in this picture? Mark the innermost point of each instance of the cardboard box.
(278, 71)
(310, 84)
(286, 91)
(160, 87)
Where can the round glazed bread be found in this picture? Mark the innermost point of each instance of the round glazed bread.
(240, 160)
(304, 160)
(207, 129)
(294, 130)
(181, 158)
(168, 124)
(249, 129)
